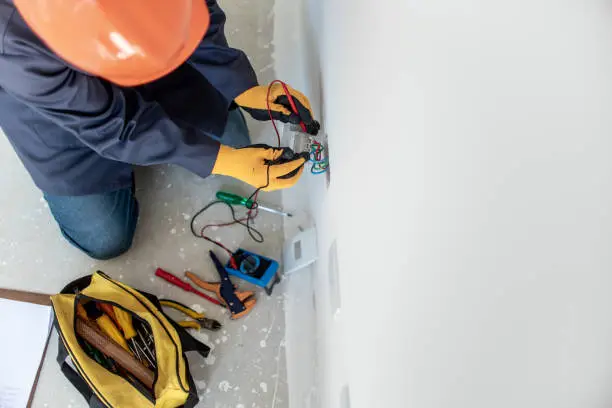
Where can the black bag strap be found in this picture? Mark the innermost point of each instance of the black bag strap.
(189, 342)
(75, 379)
(192, 399)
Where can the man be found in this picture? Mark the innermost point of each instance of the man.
(90, 88)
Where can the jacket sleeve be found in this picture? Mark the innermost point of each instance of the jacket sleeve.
(115, 122)
(226, 68)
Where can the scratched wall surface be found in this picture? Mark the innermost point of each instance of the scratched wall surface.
(247, 366)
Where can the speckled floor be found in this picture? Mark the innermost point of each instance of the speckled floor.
(246, 368)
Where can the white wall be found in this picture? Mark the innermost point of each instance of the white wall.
(314, 367)
(471, 201)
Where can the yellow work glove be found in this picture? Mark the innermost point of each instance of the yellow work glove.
(255, 101)
(250, 164)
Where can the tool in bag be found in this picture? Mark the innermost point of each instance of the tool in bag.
(98, 340)
(152, 371)
(105, 323)
(125, 322)
(238, 302)
(117, 325)
(199, 320)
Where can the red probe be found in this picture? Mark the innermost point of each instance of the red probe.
(184, 285)
(293, 106)
(291, 102)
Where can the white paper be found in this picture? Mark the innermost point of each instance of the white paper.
(25, 328)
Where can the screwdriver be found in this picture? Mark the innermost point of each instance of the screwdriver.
(110, 312)
(125, 321)
(81, 311)
(234, 199)
(186, 286)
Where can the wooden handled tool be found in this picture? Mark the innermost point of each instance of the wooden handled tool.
(106, 345)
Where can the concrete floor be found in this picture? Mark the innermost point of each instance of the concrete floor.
(246, 368)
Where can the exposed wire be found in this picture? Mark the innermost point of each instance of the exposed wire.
(320, 162)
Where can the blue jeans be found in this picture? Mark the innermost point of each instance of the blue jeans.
(103, 225)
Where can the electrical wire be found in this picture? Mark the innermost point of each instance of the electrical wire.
(320, 163)
(252, 212)
(291, 102)
(255, 234)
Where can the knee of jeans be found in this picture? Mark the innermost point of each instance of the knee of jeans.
(102, 226)
(109, 245)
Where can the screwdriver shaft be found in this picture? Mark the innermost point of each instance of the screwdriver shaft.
(272, 210)
(150, 353)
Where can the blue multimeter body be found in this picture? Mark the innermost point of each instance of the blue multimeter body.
(256, 269)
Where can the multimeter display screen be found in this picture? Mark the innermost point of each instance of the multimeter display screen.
(250, 264)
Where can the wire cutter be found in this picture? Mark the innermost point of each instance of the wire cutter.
(239, 303)
(199, 320)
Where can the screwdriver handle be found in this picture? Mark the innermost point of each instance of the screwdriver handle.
(234, 199)
(81, 312)
(108, 309)
(184, 285)
(167, 276)
(125, 321)
(108, 327)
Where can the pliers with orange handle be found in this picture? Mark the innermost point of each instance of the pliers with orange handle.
(239, 303)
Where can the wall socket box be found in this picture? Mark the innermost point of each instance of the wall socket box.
(299, 142)
(296, 139)
(300, 251)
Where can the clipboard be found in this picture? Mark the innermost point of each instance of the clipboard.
(38, 299)
(29, 297)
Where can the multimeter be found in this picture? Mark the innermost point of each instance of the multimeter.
(254, 268)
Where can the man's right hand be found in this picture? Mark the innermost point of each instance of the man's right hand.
(259, 165)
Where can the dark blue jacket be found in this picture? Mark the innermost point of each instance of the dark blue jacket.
(77, 134)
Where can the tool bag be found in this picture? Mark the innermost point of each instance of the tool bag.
(173, 385)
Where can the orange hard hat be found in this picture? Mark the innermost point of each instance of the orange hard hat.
(128, 42)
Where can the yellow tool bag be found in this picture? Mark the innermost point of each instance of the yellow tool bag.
(119, 349)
